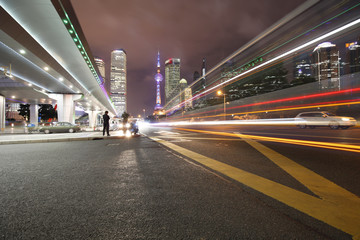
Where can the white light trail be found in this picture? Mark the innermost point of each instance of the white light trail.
(274, 121)
(316, 40)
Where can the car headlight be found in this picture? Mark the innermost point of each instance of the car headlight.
(345, 119)
(127, 125)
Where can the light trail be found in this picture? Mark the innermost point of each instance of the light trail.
(323, 104)
(327, 145)
(307, 44)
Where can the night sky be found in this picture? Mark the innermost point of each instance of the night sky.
(187, 29)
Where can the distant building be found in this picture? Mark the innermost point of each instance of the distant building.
(188, 96)
(326, 65)
(180, 94)
(185, 94)
(203, 73)
(172, 76)
(352, 57)
(196, 76)
(158, 79)
(118, 90)
(303, 68)
(101, 66)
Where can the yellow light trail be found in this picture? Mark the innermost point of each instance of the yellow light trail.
(327, 145)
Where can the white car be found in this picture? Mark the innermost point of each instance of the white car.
(323, 119)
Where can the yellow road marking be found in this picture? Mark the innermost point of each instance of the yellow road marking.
(198, 138)
(336, 206)
(319, 185)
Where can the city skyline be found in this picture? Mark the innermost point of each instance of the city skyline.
(211, 30)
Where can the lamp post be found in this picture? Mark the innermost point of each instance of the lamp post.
(144, 113)
(219, 93)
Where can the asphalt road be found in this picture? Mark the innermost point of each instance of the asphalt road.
(163, 187)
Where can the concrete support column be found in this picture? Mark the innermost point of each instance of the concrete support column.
(92, 118)
(34, 114)
(2, 113)
(66, 106)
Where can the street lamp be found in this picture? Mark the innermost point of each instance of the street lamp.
(144, 113)
(219, 93)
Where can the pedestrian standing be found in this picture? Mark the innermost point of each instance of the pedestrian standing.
(106, 119)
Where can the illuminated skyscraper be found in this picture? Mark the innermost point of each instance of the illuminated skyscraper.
(158, 79)
(118, 80)
(172, 76)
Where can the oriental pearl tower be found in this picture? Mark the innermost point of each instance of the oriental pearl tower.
(158, 79)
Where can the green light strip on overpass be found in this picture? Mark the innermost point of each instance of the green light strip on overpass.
(69, 26)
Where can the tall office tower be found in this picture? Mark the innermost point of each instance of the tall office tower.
(101, 66)
(158, 79)
(326, 65)
(172, 76)
(118, 81)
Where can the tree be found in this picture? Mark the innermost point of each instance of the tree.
(125, 117)
(24, 111)
(47, 111)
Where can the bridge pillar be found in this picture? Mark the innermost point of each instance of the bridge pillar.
(92, 118)
(65, 106)
(2, 113)
(34, 114)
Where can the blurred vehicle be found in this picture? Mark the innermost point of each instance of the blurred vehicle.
(130, 128)
(324, 119)
(56, 127)
(134, 128)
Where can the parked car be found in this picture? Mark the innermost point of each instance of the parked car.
(59, 127)
(324, 119)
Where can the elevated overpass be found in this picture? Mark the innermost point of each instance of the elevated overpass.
(45, 58)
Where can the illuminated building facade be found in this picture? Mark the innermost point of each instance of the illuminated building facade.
(118, 88)
(180, 94)
(188, 95)
(172, 76)
(158, 79)
(303, 68)
(101, 66)
(353, 57)
(185, 94)
(326, 65)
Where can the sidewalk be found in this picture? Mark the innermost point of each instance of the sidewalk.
(19, 136)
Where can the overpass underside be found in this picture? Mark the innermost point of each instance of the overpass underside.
(45, 59)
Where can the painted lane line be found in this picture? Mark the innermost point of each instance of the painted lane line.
(341, 212)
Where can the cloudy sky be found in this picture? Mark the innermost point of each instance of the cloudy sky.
(185, 29)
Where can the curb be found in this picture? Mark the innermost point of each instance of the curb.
(6, 142)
